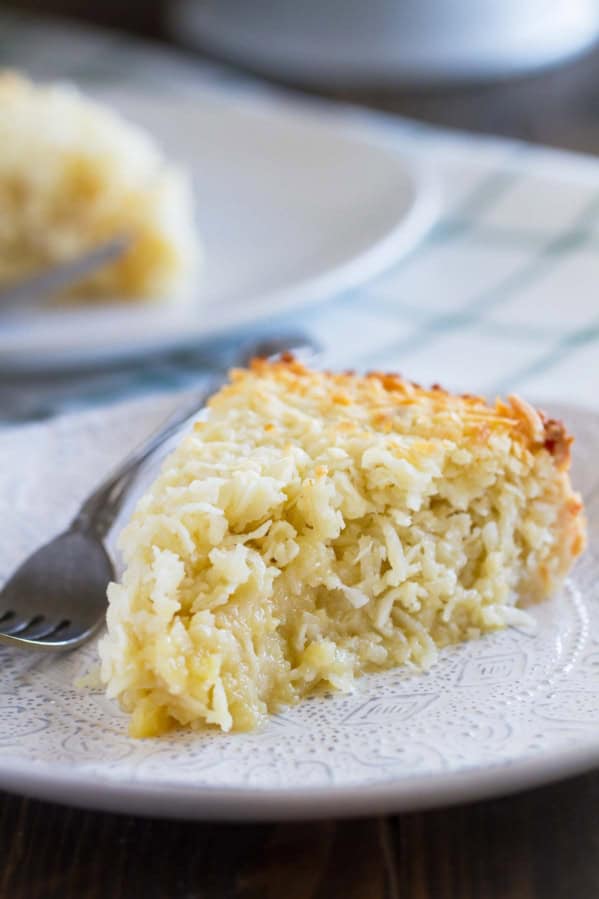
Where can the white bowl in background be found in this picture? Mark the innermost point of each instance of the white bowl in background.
(349, 42)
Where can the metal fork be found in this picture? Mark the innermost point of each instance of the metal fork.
(56, 599)
(32, 292)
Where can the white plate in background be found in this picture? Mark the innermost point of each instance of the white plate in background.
(293, 205)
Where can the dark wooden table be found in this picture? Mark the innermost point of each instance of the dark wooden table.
(543, 844)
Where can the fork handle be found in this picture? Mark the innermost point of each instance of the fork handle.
(38, 289)
(100, 509)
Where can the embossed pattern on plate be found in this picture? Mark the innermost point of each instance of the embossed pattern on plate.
(502, 702)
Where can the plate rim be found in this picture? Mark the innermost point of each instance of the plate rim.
(91, 790)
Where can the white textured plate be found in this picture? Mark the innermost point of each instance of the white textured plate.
(512, 710)
(294, 205)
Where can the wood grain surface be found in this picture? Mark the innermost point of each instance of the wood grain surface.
(543, 844)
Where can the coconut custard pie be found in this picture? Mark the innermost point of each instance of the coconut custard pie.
(74, 174)
(315, 526)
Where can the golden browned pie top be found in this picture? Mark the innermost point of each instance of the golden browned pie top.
(388, 402)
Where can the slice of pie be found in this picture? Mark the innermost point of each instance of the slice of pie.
(73, 176)
(318, 526)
